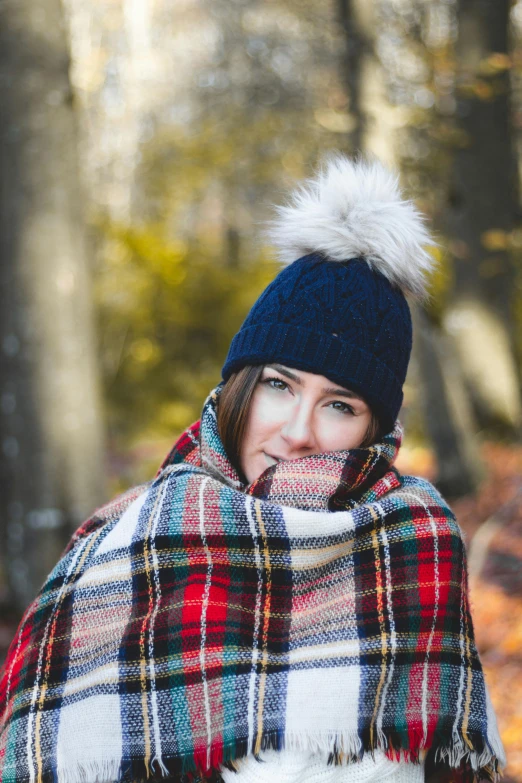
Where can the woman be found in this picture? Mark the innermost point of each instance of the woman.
(280, 603)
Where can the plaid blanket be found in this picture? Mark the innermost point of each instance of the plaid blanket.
(195, 620)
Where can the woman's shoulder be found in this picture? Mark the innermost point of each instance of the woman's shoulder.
(108, 513)
(416, 511)
(424, 500)
(421, 486)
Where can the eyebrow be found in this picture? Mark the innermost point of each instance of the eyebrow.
(326, 390)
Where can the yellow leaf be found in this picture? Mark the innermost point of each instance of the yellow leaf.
(335, 121)
(483, 90)
(495, 63)
(495, 239)
(144, 350)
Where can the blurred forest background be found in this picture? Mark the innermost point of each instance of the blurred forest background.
(142, 144)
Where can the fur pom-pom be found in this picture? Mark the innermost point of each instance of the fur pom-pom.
(355, 209)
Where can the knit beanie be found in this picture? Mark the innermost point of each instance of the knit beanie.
(354, 249)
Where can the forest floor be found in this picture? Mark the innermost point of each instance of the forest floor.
(492, 524)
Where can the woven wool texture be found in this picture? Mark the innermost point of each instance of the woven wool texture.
(195, 621)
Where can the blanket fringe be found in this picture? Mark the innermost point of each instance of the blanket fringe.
(89, 773)
(164, 770)
(483, 763)
(485, 760)
(490, 759)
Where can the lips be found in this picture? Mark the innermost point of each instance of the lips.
(271, 460)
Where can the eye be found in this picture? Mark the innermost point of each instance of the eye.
(275, 383)
(342, 407)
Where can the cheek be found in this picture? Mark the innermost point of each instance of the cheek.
(264, 419)
(349, 433)
(267, 408)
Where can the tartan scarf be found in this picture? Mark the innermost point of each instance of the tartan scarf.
(195, 620)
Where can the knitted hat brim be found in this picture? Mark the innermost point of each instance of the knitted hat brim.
(303, 349)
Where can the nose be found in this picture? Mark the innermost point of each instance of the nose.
(298, 431)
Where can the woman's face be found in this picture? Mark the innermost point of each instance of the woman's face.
(295, 414)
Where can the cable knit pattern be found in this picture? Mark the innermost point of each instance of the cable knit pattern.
(339, 310)
(300, 767)
(341, 320)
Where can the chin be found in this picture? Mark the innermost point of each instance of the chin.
(254, 469)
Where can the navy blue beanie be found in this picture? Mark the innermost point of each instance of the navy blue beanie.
(340, 309)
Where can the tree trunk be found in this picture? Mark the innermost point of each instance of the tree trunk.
(357, 47)
(443, 401)
(446, 410)
(51, 472)
(480, 214)
(375, 119)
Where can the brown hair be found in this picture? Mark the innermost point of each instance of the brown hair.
(233, 410)
(234, 407)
